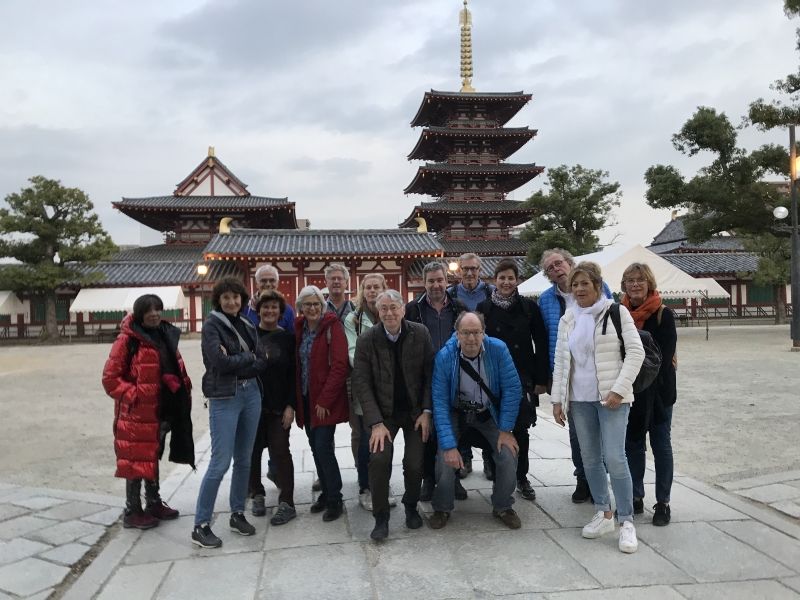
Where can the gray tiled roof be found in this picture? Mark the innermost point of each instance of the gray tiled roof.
(436, 104)
(482, 169)
(461, 132)
(203, 202)
(133, 273)
(323, 243)
(673, 237)
(508, 247)
(487, 207)
(713, 263)
(162, 252)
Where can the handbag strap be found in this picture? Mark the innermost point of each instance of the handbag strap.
(242, 343)
(470, 370)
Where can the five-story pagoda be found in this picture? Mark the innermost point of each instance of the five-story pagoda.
(466, 144)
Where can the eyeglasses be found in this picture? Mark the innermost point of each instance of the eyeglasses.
(311, 305)
(557, 264)
(393, 308)
(471, 333)
(635, 281)
(470, 269)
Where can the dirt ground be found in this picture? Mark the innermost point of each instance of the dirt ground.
(738, 411)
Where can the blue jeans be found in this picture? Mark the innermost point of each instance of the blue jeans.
(601, 433)
(661, 445)
(323, 450)
(505, 478)
(233, 423)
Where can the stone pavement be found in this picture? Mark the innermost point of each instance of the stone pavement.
(44, 532)
(717, 546)
(780, 491)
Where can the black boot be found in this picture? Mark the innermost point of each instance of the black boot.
(413, 520)
(156, 507)
(581, 493)
(133, 496)
(381, 530)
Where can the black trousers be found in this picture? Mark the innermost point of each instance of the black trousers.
(380, 464)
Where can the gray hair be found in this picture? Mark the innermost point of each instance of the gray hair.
(337, 267)
(566, 254)
(432, 267)
(392, 295)
(469, 256)
(464, 313)
(309, 290)
(267, 268)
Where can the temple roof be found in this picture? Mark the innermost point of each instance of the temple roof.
(443, 209)
(698, 264)
(488, 263)
(673, 238)
(436, 143)
(214, 168)
(436, 105)
(322, 244)
(434, 179)
(505, 247)
(164, 212)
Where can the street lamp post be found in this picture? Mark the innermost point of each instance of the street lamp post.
(795, 261)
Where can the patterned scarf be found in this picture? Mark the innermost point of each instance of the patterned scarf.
(502, 301)
(645, 310)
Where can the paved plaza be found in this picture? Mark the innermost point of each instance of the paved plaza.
(734, 535)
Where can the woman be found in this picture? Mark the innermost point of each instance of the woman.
(361, 319)
(146, 377)
(233, 358)
(277, 409)
(321, 394)
(594, 386)
(652, 410)
(518, 322)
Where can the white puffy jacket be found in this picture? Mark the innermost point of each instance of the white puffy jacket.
(613, 374)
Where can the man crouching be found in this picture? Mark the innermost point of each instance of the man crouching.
(392, 380)
(476, 391)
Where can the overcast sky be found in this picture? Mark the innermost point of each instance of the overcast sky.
(312, 99)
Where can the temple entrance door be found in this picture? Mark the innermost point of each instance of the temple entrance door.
(392, 282)
(287, 286)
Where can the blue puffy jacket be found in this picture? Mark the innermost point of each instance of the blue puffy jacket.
(501, 377)
(553, 307)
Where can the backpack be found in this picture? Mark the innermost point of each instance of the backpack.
(652, 353)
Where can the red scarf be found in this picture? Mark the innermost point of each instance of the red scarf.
(645, 310)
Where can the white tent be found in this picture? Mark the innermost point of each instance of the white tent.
(672, 282)
(10, 304)
(107, 299)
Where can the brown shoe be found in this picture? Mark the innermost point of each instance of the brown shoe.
(139, 520)
(438, 519)
(509, 518)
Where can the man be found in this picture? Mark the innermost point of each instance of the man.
(267, 278)
(475, 387)
(392, 380)
(337, 278)
(436, 311)
(470, 292)
(557, 264)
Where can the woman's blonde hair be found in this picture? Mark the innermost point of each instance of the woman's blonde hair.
(591, 270)
(360, 295)
(645, 271)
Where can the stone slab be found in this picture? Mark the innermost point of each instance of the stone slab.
(792, 582)
(67, 555)
(9, 511)
(655, 592)
(69, 531)
(603, 560)
(341, 570)
(19, 548)
(104, 517)
(213, 578)
(688, 505)
(72, 510)
(92, 538)
(709, 555)
(557, 504)
(43, 595)
(138, 581)
(554, 471)
(771, 493)
(741, 590)
(751, 482)
(788, 507)
(101, 568)
(307, 530)
(779, 546)
(30, 576)
(531, 562)
(795, 483)
(22, 526)
(550, 449)
(39, 502)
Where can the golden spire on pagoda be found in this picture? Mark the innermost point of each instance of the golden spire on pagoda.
(465, 19)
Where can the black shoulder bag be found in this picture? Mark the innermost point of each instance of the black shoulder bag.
(473, 374)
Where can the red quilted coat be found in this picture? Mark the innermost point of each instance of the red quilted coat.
(327, 373)
(134, 382)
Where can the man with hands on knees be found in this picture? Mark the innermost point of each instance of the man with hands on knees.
(476, 391)
(392, 371)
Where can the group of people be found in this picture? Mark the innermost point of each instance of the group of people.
(459, 367)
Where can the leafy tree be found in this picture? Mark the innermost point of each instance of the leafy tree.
(729, 194)
(579, 203)
(774, 255)
(40, 221)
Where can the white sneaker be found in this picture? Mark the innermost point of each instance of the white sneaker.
(365, 500)
(598, 526)
(392, 499)
(627, 538)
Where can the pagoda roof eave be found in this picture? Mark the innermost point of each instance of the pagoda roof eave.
(422, 118)
(508, 208)
(431, 135)
(522, 172)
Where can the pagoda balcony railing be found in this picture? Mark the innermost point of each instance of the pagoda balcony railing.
(463, 123)
(472, 197)
(473, 158)
(476, 233)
